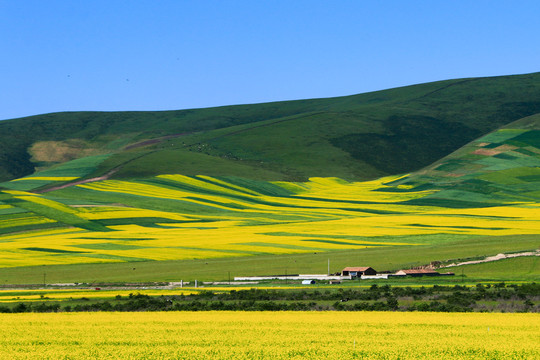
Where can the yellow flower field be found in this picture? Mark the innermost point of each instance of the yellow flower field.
(205, 217)
(269, 335)
(31, 295)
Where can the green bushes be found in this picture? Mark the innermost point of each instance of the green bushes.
(511, 298)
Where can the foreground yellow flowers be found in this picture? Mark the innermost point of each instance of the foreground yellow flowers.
(269, 335)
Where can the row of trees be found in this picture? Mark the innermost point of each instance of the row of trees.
(522, 297)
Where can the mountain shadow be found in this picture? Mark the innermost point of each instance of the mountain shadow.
(412, 143)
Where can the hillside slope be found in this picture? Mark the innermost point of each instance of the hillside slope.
(357, 137)
(501, 167)
(478, 201)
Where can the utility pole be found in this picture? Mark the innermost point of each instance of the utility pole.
(328, 266)
(44, 277)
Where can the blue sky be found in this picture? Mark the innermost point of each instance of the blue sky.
(164, 55)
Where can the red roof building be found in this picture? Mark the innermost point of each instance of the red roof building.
(358, 271)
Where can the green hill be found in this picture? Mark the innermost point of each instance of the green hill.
(501, 167)
(257, 189)
(355, 137)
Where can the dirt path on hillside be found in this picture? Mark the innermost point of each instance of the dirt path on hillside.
(63, 186)
(155, 141)
(158, 140)
(494, 258)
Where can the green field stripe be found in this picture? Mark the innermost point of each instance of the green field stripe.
(231, 187)
(373, 211)
(449, 203)
(405, 239)
(139, 201)
(451, 165)
(112, 257)
(74, 168)
(197, 190)
(525, 152)
(337, 201)
(283, 246)
(50, 250)
(505, 156)
(113, 238)
(278, 205)
(501, 135)
(491, 217)
(335, 242)
(531, 138)
(58, 213)
(110, 246)
(531, 178)
(255, 218)
(16, 215)
(141, 221)
(230, 205)
(177, 185)
(261, 187)
(456, 227)
(225, 251)
(25, 228)
(28, 185)
(70, 202)
(369, 211)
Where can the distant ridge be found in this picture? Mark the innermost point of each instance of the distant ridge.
(356, 137)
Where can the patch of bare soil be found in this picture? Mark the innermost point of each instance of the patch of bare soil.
(60, 151)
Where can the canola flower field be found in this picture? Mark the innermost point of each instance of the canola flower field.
(269, 335)
(488, 188)
(176, 217)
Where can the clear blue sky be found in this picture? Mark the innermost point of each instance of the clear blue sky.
(172, 54)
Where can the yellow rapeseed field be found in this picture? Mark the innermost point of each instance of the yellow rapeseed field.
(33, 295)
(269, 335)
(224, 219)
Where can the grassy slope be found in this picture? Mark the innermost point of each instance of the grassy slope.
(316, 139)
(505, 184)
(354, 137)
(218, 269)
(522, 268)
(503, 166)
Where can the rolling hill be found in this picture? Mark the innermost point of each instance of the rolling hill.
(358, 137)
(397, 178)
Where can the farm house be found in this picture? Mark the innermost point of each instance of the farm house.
(358, 271)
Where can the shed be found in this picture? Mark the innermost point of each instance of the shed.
(417, 272)
(308, 282)
(358, 271)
